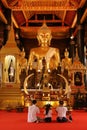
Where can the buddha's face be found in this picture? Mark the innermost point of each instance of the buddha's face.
(66, 54)
(44, 38)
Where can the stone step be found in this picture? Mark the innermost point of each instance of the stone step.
(10, 90)
(10, 95)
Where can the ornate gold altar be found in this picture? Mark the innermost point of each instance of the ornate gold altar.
(44, 83)
(77, 73)
(43, 78)
(10, 62)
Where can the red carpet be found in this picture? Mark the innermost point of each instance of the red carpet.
(18, 121)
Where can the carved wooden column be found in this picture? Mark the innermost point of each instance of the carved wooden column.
(80, 36)
(72, 45)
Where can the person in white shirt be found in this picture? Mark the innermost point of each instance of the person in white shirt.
(48, 113)
(62, 112)
(33, 110)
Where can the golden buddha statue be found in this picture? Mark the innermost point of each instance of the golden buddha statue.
(50, 54)
(66, 62)
(22, 61)
(22, 68)
(11, 72)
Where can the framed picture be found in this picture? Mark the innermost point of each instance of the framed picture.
(78, 78)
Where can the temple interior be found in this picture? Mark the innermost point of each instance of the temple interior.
(43, 53)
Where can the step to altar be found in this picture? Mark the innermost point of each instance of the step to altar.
(11, 95)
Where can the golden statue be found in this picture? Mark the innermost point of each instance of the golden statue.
(22, 61)
(11, 72)
(22, 68)
(66, 62)
(50, 54)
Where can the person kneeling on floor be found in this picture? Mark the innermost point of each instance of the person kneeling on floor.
(48, 113)
(62, 113)
(33, 110)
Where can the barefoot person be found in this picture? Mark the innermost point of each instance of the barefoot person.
(62, 113)
(33, 110)
(48, 113)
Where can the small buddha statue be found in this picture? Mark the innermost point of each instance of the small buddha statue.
(50, 54)
(11, 71)
(22, 68)
(23, 60)
(66, 63)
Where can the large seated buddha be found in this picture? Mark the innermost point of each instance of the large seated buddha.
(50, 54)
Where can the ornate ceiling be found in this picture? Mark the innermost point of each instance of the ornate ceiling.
(28, 15)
